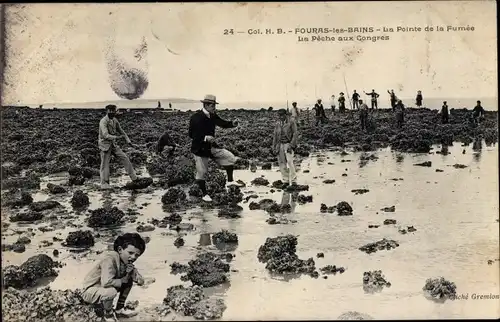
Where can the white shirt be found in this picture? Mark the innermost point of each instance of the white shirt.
(206, 112)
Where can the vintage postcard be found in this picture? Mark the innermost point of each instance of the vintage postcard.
(249, 161)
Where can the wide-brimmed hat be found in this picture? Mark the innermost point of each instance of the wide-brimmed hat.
(341, 93)
(209, 98)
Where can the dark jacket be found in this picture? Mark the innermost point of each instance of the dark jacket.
(165, 140)
(200, 126)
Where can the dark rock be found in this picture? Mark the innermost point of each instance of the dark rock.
(374, 281)
(179, 242)
(411, 229)
(439, 170)
(459, 166)
(177, 268)
(16, 247)
(379, 245)
(145, 228)
(83, 239)
(140, 183)
(390, 222)
(230, 211)
(332, 269)
(76, 181)
(28, 274)
(424, 164)
(224, 237)
(80, 199)
(373, 226)
(44, 205)
(182, 299)
(301, 199)
(320, 255)
(207, 270)
(389, 209)
(344, 209)
(105, 218)
(267, 166)
(296, 187)
(360, 191)
(440, 289)
(260, 181)
(28, 182)
(29, 216)
(15, 198)
(329, 181)
(23, 240)
(55, 189)
(182, 226)
(173, 195)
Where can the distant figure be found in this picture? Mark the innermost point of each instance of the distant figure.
(159, 104)
(40, 107)
(341, 103)
(284, 143)
(165, 140)
(170, 105)
(419, 99)
(444, 113)
(478, 113)
(332, 104)
(393, 98)
(295, 111)
(355, 100)
(202, 131)
(320, 113)
(374, 97)
(399, 108)
(363, 114)
(109, 131)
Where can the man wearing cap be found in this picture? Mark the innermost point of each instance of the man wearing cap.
(110, 131)
(202, 131)
(284, 144)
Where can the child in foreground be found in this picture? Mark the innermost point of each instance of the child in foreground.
(114, 275)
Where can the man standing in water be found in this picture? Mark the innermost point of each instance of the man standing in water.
(419, 99)
(109, 131)
(363, 114)
(444, 113)
(284, 144)
(341, 103)
(374, 97)
(355, 100)
(393, 99)
(202, 131)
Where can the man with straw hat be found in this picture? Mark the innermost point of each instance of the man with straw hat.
(202, 131)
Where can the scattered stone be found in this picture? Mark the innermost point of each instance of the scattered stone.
(439, 170)
(76, 181)
(24, 240)
(320, 255)
(83, 239)
(16, 247)
(301, 199)
(209, 309)
(373, 226)
(140, 183)
(260, 181)
(230, 211)
(459, 166)
(424, 164)
(80, 199)
(55, 189)
(440, 289)
(16, 198)
(44, 205)
(389, 209)
(279, 255)
(28, 273)
(324, 208)
(177, 268)
(145, 228)
(29, 216)
(207, 270)
(390, 222)
(344, 209)
(224, 237)
(329, 181)
(267, 166)
(374, 281)
(172, 196)
(296, 187)
(411, 229)
(360, 191)
(332, 269)
(179, 242)
(379, 245)
(105, 218)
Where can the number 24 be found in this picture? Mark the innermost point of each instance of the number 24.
(228, 32)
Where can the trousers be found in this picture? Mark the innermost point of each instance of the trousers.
(287, 168)
(105, 159)
(106, 295)
(223, 158)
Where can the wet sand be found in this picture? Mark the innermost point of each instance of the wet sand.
(455, 213)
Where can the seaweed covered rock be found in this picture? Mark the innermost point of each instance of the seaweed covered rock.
(389, 209)
(374, 281)
(332, 269)
(424, 164)
(182, 299)
(45, 304)
(16, 247)
(76, 181)
(28, 182)
(280, 256)
(26, 216)
(379, 245)
(179, 242)
(260, 181)
(44, 205)
(344, 209)
(80, 199)
(301, 199)
(231, 211)
(55, 189)
(15, 198)
(353, 315)
(209, 309)
(207, 270)
(173, 219)
(29, 272)
(178, 268)
(83, 239)
(140, 183)
(440, 289)
(230, 197)
(172, 196)
(105, 218)
(360, 191)
(224, 237)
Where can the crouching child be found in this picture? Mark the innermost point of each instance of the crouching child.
(114, 275)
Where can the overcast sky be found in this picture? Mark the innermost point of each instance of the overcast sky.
(56, 52)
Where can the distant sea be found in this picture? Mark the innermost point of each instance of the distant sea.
(489, 104)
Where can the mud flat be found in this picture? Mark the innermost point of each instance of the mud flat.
(71, 221)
